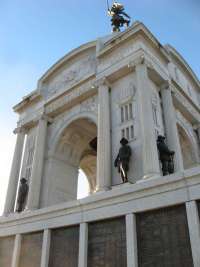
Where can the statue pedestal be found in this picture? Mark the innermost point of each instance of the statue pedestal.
(122, 185)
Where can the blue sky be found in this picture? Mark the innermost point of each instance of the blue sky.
(35, 34)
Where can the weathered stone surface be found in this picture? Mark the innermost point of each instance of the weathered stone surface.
(64, 247)
(31, 249)
(6, 250)
(163, 238)
(107, 243)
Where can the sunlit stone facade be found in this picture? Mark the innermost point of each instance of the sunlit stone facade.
(124, 85)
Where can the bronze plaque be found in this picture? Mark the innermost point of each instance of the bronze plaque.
(6, 250)
(64, 247)
(31, 250)
(107, 243)
(163, 238)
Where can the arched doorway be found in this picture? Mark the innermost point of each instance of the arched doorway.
(76, 150)
(187, 149)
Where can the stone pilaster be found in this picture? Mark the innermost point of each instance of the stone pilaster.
(171, 130)
(147, 130)
(38, 162)
(46, 248)
(14, 173)
(16, 251)
(131, 240)
(104, 137)
(194, 230)
(83, 245)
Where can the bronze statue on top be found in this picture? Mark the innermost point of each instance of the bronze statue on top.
(122, 159)
(166, 156)
(22, 194)
(117, 13)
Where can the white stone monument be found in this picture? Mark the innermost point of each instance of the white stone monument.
(124, 85)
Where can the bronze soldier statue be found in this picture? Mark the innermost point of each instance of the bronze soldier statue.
(117, 13)
(22, 194)
(166, 156)
(122, 159)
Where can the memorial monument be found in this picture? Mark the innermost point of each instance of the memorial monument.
(125, 86)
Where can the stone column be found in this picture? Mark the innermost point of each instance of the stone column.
(194, 230)
(38, 162)
(147, 130)
(16, 251)
(131, 241)
(171, 130)
(46, 248)
(14, 173)
(83, 245)
(104, 137)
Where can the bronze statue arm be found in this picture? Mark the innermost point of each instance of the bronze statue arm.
(124, 13)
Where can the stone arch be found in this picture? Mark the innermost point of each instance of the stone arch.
(73, 148)
(66, 122)
(189, 146)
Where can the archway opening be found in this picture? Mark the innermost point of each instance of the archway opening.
(188, 153)
(76, 154)
(83, 185)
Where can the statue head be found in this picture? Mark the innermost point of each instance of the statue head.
(161, 138)
(123, 141)
(23, 180)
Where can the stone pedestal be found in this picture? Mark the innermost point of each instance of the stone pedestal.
(36, 177)
(14, 174)
(147, 130)
(104, 136)
(171, 126)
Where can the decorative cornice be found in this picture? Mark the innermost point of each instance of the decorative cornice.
(28, 100)
(186, 104)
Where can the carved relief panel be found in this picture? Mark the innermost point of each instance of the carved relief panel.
(163, 238)
(64, 247)
(107, 243)
(31, 249)
(71, 73)
(6, 250)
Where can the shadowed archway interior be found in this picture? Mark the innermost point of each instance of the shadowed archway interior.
(77, 149)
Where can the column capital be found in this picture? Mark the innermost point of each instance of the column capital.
(166, 85)
(19, 129)
(140, 60)
(102, 81)
(44, 117)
